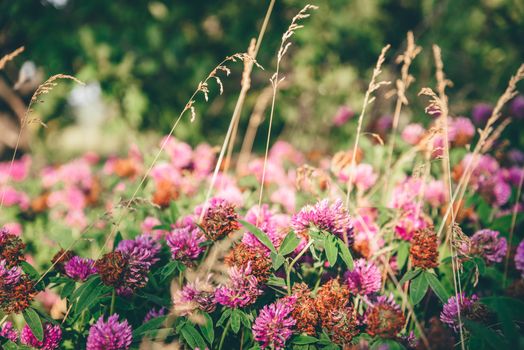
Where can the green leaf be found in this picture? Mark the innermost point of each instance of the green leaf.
(34, 322)
(304, 339)
(481, 264)
(118, 239)
(30, 270)
(192, 337)
(418, 288)
(343, 250)
(276, 281)
(402, 254)
(331, 249)
(485, 333)
(207, 329)
(174, 213)
(235, 321)
(153, 324)
(409, 276)
(289, 244)
(437, 287)
(223, 317)
(259, 234)
(277, 260)
(67, 289)
(89, 295)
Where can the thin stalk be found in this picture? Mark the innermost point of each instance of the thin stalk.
(113, 302)
(293, 262)
(226, 329)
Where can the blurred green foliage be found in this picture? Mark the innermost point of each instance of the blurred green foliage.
(150, 55)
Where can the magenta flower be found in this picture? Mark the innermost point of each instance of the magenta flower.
(51, 340)
(413, 133)
(489, 245)
(242, 290)
(364, 279)
(273, 326)
(195, 295)
(481, 112)
(110, 335)
(342, 116)
(519, 258)
(79, 268)
(450, 311)
(263, 219)
(333, 218)
(185, 243)
(9, 276)
(143, 249)
(517, 107)
(9, 332)
(154, 313)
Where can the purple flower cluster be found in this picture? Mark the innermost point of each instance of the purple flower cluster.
(51, 340)
(195, 295)
(79, 268)
(141, 253)
(489, 245)
(263, 219)
(9, 332)
(274, 324)
(185, 243)
(9, 276)
(519, 258)
(243, 289)
(333, 218)
(110, 335)
(364, 279)
(453, 306)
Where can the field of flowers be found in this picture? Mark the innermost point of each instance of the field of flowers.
(409, 239)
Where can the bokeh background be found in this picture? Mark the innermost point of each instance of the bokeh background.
(142, 59)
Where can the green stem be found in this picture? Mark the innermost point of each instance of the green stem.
(113, 301)
(226, 329)
(290, 266)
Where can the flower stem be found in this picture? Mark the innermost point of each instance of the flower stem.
(228, 324)
(290, 266)
(113, 301)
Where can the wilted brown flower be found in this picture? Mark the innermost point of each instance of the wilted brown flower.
(61, 259)
(112, 268)
(16, 298)
(11, 248)
(342, 325)
(242, 254)
(39, 204)
(304, 310)
(424, 249)
(385, 320)
(166, 192)
(331, 296)
(220, 219)
(439, 337)
(93, 193)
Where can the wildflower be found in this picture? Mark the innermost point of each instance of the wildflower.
(462, 130)
(61, 259)
(264, 220)
(241, 255)
(304, 311)
(166, 191)
(110, 335)
(481, 112)
(517, 107)
(384, 318)
(342, 116)
(154, 313)
(143, 249)
(185, 243)
(519, 258)
(342, 325)
(11, 248)
(413, 133)
(435, 193)
(16, 289)
(469, 308)
(332, 218)
(51, 340)
(331, 296)
(489, 245)
(364, 279)
(424, 249)
(8, 332)
(242, 290)
(80, 269)
(121, 272)
(197, 295)
(220, 219)
(273, 326)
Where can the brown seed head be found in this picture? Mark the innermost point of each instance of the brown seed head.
(424, 249)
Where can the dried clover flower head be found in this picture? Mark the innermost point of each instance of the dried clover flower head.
(424, 249)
